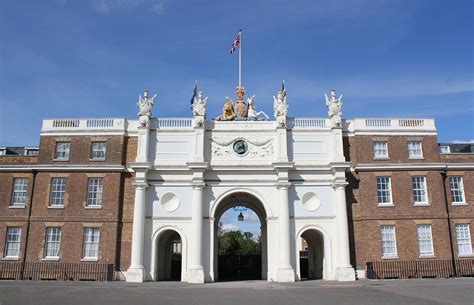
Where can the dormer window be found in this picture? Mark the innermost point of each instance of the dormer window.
(31, 152)
(444, 149)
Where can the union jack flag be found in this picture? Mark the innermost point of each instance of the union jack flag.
(235, 44)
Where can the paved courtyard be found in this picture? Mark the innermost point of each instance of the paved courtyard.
(413, 292)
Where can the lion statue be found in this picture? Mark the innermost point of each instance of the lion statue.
(228, 113)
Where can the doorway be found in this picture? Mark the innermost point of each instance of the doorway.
(240, 239)
(169, 256)
(312, 255)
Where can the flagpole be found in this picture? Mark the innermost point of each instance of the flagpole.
(240, 58)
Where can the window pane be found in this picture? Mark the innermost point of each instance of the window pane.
(414, 149)
(457, 189)
(91, 242)
(94, 194)
(389, 245)
(98, 150)
(384, 195)
(58, 188)
(62, 150)
(425, 240)
(380, 149)
(12, 242)
(419, 189)
(52, 242)
(463, 236)
(20, 186)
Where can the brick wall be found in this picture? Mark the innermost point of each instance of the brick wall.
(17, 160)
(366, 217)
(80, 149)
(361, 151)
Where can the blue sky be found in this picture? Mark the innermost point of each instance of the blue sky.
(251, 223)
(92, 58)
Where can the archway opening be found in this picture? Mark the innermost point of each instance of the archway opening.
(168, 258)
(311, 255)
(240, 239)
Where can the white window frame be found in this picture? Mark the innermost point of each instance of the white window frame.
(52, 243)
(442, 147)
(384, 194)
(389, 245)
(412, 149)
(463, 239)
(58, 190)
(177, 248)
(62, 151)
(380, 149)
(95, 190)
(425, 240)
(457, 190)
(420, 189)
(91, 242)
(96, 154)
(12, 243)
(20, 188)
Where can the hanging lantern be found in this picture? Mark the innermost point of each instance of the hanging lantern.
(240, 217)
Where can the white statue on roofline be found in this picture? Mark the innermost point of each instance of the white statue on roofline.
(199, 109)
(145, 105)
(334, 108)
(280, 108)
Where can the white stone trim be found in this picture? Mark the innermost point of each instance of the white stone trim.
(62, 168)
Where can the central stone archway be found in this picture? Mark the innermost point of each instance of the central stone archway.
(252, 202)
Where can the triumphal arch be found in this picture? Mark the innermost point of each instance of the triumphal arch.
(289, 171)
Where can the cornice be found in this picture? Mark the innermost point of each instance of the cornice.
(62, 168)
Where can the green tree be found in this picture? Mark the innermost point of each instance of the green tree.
(237, 242)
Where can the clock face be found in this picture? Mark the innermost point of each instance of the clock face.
(240, 147)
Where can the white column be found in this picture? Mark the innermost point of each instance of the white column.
(196, 270)
(136, 272)
(285, 272)
(344, 271)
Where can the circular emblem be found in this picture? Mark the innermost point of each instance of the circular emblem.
(240, 147)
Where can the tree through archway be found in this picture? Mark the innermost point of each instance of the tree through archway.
(240, 239)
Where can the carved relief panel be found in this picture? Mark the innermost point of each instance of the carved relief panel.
(233, 147)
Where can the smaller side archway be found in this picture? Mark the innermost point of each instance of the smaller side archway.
(169, 255)
(314, 259)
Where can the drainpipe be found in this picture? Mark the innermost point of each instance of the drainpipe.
(28, 223)
(453, 261)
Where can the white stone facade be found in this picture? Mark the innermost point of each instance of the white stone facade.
(292, 176)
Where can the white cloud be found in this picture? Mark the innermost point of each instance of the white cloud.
(106, 6)
(230, 227)
(250, 216)
(463, 141)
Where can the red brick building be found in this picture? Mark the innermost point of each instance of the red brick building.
(66, 208)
